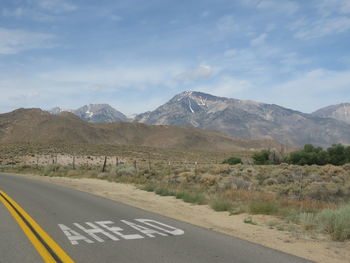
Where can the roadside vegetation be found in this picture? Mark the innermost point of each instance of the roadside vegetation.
(314, 197)
(337, 154)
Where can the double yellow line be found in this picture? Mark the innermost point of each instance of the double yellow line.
(48, 249)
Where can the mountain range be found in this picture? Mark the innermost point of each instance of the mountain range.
(38, 126)
(239, 118)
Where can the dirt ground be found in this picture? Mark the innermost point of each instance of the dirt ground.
(317, 249)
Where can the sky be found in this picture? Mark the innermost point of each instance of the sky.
(135, 55)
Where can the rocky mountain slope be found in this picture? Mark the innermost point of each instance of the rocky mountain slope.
(340, 112)
(35, 125)
(95, 113)
(247, 119)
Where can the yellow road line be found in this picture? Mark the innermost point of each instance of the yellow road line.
(21, 216)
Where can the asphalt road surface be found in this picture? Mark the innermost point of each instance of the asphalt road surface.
(87, 228)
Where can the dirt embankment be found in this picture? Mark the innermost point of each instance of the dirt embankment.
(318, 250)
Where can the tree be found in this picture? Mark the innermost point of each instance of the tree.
(262, 157)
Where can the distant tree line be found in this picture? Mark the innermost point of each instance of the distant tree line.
(337, 154)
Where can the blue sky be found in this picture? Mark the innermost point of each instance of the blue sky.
(136, 54)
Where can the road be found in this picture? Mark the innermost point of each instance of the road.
(87, 228)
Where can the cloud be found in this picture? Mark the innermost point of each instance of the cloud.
(318, 80)
(200, 73)
(111, 79)
(284, 7)
(226, 86)
(310, 29)
(24, 96)
(15, 41)
(56, 6)
(329, 7)
(227, 23)
(260, 40)
(31, 13)
(230, 52)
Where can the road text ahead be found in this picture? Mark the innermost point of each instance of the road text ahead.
(101, 231)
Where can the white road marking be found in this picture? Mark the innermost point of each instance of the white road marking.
(95, 230)
(148, 227)
(155, 224)
(144, 230)
(73, 236)
(116, 230)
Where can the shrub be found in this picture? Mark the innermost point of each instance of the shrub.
(232, 161)
(148, 188)
(164, 192)
(263, 207)
(126, 171)
(335, 222)
(308, 220)
(192, 197)
(221, 204)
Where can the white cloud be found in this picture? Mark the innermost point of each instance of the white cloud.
(284, 7)
(318, 80)
(227, 23)
(260, 40)
(92, 79)
(226, 86)
(24, 96)
(312, 90)
(230, 52)
(323, 27)
(73, 87)
(56, 6)
(200, 73)
(329, 7)
(14, 41)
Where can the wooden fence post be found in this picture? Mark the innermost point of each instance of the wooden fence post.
(73, 163)
(104, 165)
(149, 161)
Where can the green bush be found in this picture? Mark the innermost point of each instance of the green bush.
(232, 161)
(262, 158)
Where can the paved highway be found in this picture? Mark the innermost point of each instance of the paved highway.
(41, 222)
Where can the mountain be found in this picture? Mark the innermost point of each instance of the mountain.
(339, 112)
(247, 119)
(95, 113)
(99, 113)
(35, 125)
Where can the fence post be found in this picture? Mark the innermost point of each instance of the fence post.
(73, 163)
(104, 165)
(149, 161)
(195, 168)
